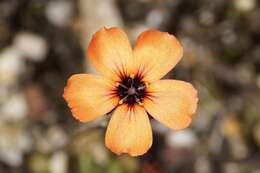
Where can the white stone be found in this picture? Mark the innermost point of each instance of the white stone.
(100, 153)
(13, 143)
(11, 66)
(11, 157)
(56, 137)
(59, 12)
(206, 17)
(58, 162)
(231, 167)
(3, 94)
(182, 138)
(244, 5)
(14, 108)
(96, 14)
(155, 18)
(31, 46)
(202, 165)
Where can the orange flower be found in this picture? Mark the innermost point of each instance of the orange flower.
(130, 86)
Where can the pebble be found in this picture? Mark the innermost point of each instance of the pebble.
(14, 108)
(38, 163)
(100, 154)
(11, 66)
(58, 162)
(208, 109)
(256, 134)
(231, 167)
(206, 17)
(95, 15)
(202, 165)
(59, 12)
(246, 73)
(3, 94)
(56, 137)
(231, 129)
(183, 139)
(155, 18)
(31, 46)
(244, 5)
(13, 143)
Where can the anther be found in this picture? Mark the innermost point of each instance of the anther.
(140, 103)
(137, 100)
(146, 84)
(132, 76)
(122, 85)
(121, 101)
(141, 87)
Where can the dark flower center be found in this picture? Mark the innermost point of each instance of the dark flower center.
(131, 90)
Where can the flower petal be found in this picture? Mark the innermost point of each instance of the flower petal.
(129, 131)
(89, 96)
(156, 53)
(111, 52)
(171, 102)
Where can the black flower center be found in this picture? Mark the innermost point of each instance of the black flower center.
(131, 90)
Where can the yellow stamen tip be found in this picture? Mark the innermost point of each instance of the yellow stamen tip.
(132, 76)
(121, 102)
(140, 103)
(146, 84)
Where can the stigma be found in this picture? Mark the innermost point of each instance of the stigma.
(131, 90)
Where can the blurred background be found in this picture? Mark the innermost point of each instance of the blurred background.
(43, 42)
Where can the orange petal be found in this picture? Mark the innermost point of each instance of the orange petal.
(111, 52)
(171, 102)
(156, 53)
(89, 96)
(129, 131)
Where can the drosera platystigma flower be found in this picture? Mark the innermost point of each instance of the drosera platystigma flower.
(130, 86)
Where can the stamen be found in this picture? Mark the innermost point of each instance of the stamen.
(137, 99)
(122, 85)
(131, 90)
(141, 87)
(132, 76)
(122, 100)
(140, 103)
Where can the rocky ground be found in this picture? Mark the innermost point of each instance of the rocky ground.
(43, 42)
